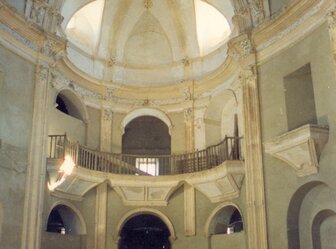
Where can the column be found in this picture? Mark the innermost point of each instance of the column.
(106, 130)
(36, 166)
(189, 210)
(101, 216)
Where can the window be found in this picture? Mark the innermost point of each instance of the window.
(148, 165)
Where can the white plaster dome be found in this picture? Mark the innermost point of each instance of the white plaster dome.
(147, 42)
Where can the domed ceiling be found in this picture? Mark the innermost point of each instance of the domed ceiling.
(147, 42)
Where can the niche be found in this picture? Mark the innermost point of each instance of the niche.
(227, 220)
(299, 96)
(69, 104)
(64, 220)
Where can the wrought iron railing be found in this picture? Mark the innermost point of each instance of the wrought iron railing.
(229, 149)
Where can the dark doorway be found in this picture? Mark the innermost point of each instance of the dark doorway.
(144, 232)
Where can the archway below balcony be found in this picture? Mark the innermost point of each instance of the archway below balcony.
(145, 228)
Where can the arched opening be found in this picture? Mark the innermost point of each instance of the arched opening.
(145, 138)
(324, 230)
(69, 116)
(144, 231)
(227, 220)
(300, 211)
(64, 220)
(68, 103)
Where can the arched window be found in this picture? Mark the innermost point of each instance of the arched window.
(226, 221)
(64, 220)
(144, 231)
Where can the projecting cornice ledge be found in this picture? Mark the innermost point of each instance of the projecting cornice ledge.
(300, 148)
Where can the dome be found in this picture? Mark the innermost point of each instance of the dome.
(147, 42)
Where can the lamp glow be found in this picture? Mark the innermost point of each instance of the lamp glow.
(65, 170)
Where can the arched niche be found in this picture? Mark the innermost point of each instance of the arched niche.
(68, 114)
(141, 211)
(220, 116)
(65, 218)
(70, 103)
(146, 112)
(295, 213)
(224, 219)
(324, 229)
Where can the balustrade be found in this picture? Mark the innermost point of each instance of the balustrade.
(229, 149)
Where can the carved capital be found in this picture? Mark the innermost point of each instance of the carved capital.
(148, 4)
(107, 115)
(188, 115)
(257, 11)
(240, 47)
(331, 16)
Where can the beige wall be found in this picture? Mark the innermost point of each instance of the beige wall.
(280, 179)
(16, 107)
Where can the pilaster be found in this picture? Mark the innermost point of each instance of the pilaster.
(332, 32)
(189, 129)
(200, 142)
(189, 210)
(35, 176)
(242, 49)
(101, 216)
(106, 130)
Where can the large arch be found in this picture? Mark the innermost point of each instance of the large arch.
(295, 210)
(141, 211)
(146, 112)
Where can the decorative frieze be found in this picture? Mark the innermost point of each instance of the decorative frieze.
(36, 10)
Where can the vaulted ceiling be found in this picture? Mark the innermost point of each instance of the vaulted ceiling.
(147, 33)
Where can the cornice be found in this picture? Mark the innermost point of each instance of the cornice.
(289, 26)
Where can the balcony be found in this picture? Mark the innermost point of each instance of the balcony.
(217, 172)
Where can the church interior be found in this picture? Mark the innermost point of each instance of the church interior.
(167, 124)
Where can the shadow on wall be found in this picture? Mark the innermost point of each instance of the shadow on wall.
(1, 220)
(311, 217)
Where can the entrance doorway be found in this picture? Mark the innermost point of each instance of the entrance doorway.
(144, 231)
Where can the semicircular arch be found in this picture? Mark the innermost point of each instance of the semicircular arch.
(215, 212)
(141, 211)
(146, 112)
(83, 227)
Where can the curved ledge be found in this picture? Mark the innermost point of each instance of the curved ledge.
(218, 184)
(300, 148)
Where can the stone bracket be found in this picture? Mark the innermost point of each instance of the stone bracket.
(300, 148)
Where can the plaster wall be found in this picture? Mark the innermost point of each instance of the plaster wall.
(281, 181)
(16, 107)
(60, 123)
(93, 140)
(19, 5)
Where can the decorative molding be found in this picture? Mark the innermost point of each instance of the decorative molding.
(291, 27)
(148, 4)
(218, 184)
(300, 148)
